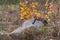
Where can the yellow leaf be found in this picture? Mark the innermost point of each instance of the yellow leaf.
(21, 17)
(28, 16)
(46, 16)
(37, 15)
(48, 20)
(50, 12)
(21, 8)
(33, 4)
(22, 4)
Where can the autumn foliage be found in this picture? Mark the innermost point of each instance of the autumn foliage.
(28, 10)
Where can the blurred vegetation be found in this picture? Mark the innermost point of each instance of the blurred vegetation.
(9, 2)
(9, 21)
(17, 1)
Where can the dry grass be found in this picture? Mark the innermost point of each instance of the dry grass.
(9, 20)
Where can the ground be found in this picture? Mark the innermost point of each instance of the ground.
(9, 21)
